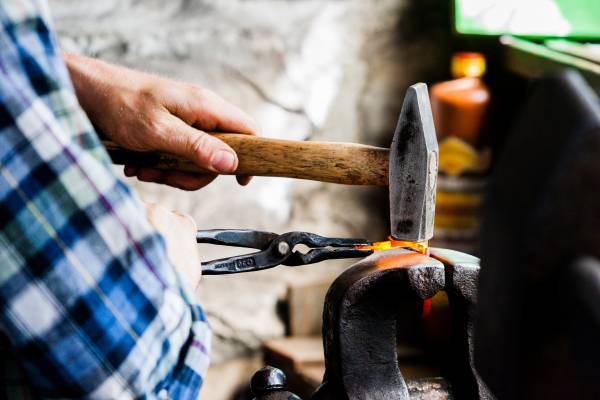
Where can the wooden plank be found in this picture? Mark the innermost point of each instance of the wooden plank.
(295, 352)
(305, 307)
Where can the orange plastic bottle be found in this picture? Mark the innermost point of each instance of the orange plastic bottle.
(459, 105)
(459, 109)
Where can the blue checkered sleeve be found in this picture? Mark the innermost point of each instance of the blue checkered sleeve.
(89, 303)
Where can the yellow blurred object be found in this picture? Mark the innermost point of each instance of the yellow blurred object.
(463, 222)
(458, 157)
(458, 209)
(466, 64)
(459, 199)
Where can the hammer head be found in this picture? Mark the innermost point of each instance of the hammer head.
(413, 169)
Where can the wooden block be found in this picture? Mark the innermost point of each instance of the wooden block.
(305, 307)
(295, 352)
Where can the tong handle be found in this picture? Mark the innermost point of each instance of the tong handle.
(269, 257)
(236, 238)
(244, 263)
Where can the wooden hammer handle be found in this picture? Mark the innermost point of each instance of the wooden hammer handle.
(346, 163)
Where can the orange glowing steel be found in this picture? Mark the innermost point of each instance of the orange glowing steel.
(420, 247)
(427, 303)
(403, 260)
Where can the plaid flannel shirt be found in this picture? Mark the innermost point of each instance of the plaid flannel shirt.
(90, 305)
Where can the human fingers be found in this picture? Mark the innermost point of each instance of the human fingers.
(185, 181)
(130, 170)
(150, 175)
(204, 150)
(208, 111)
(176, 179)
(179, 231)
(243, 180)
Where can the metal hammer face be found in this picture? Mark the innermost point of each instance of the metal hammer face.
(413, 169)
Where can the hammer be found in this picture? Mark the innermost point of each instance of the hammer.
(409, 166)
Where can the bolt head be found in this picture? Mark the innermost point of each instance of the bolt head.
(267, 380)
(283, 248)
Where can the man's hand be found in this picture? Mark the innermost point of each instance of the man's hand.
(179, 231)
(145, 112)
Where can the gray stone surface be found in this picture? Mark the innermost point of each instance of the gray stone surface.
(305, 69)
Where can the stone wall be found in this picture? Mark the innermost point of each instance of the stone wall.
(305, 69)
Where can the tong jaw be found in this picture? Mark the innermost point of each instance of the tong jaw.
(275, 249)
(323, 248)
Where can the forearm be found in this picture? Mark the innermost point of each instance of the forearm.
(100, 87)
(85, 72)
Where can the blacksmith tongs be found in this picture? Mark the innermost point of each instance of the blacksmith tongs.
(275, 249)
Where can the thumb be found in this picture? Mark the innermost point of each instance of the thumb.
(198, 146)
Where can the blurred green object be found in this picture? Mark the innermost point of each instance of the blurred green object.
(533, 60)
(532, 18)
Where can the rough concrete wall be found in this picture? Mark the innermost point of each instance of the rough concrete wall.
(305, 69)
